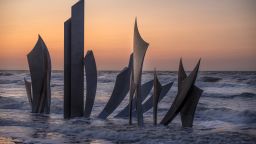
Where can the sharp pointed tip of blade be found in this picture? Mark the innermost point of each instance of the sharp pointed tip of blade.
(198, 63)
(40, 39)
(89, 52)
(136, 24)
(181, 63)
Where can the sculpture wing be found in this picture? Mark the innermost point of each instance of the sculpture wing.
(121, 89)
(139, 51)
(91, 82)
(145, 90)
(156, 95)
(40, 69)
(149, 103)
(188, 110)
(29, 91)
(180, 98)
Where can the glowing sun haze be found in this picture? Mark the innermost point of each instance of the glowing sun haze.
(222, 33)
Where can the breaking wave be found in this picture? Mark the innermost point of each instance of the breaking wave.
(9, 81)
(5, 74)
(210, 79)
(104, 80)
(242, 95)
(226, 115)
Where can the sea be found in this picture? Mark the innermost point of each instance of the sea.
(226, 113)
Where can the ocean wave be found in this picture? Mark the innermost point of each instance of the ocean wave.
(30, 128)
(5, 74)
(8, 81)
(104, 81)
(245, 95)
(251, 82)
(56, 85)
(12, 103)
(242, 95)
(226, 115)
(210, 79)
(251, 115)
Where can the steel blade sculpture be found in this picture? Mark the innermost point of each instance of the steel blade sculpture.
(149, 103)
(145, 90)
(156, 95)
(29, 92)
(39, 91)
(121, 89)
(129, 79)
(139, 51)
(186, 99)
(91, 82)
(73, 62)
(188, 110)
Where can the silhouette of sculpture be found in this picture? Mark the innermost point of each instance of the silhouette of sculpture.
(38, 91)
(121, 89)
(29, 92)
(91, 82)
(186, 99)
(156, 95)
(149, 103)
(145, 90)
(188, 110)
(73, 62)
(139, 51)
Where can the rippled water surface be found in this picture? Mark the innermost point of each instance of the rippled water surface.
(226, 113)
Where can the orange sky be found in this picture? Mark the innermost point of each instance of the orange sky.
(222, 33)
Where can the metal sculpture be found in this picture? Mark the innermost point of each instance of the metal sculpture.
(29, 92)
(121, 89)
(40, 70)
(91, 82)
(156, 95)
(188, 110)
(184, 89)
(73, 62)
(139, 51)
(145, 90)
(148, 104)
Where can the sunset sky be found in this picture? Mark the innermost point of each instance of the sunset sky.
(221, 32)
